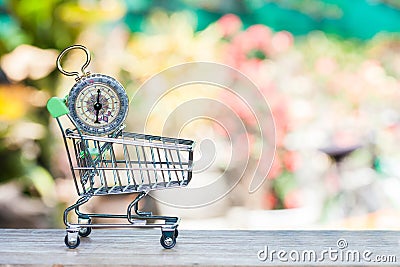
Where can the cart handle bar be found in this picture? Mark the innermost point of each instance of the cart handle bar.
(57, 107)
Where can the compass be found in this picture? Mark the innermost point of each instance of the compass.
(97, 103)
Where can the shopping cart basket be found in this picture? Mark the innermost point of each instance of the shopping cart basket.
(121, 163)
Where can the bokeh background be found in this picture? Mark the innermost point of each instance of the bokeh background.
(329, 69)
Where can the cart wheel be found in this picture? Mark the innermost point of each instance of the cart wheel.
(72, 243)
(85, 231)
(167, 242)
(176, 233)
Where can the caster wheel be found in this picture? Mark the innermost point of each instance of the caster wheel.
(72, 243)
(85, 231)
(176, 233)
(167, 242)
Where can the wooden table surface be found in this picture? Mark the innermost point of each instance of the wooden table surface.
(136, 247)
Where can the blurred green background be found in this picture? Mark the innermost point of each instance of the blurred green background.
(329, 69)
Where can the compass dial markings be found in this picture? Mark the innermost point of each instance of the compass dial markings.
(98, 104)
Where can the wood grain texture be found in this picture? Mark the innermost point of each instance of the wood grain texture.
(136, 247)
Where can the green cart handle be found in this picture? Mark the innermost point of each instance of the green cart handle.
(57, 107)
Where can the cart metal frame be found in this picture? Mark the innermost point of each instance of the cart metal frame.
(122, 163)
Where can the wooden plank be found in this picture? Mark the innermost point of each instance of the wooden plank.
(137, 247)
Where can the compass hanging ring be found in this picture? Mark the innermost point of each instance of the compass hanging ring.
(84, 66)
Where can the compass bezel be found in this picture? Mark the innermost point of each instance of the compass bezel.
(108, 82)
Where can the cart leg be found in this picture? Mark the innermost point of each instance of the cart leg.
(83, 218)
(142, 215)
(135, 206)
(81, 214)
(80, 202)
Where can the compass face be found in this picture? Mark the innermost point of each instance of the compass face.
(98, 104)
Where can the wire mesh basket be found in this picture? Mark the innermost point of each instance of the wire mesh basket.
(130, 162)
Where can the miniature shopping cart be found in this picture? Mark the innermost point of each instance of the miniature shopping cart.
(121, 163)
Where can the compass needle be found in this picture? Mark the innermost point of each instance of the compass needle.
(97, 106)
